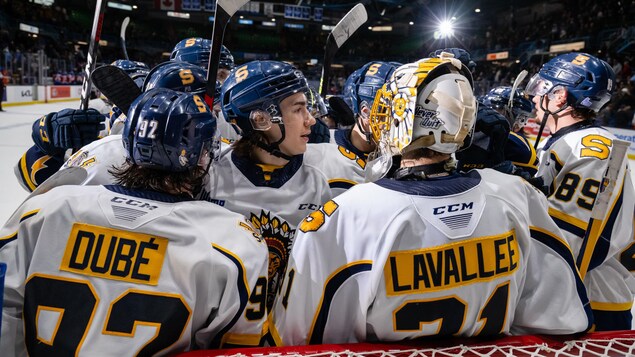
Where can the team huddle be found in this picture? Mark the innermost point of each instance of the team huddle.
(175, 224)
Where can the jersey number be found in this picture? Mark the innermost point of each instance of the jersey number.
(449, 312)
(75, 301)
(569, 186)
(148, 128)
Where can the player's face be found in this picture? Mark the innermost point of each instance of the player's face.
(222, 74)
(297, 124)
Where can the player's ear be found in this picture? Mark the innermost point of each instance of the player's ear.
(559, 95)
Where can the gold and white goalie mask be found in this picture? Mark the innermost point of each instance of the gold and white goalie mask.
(426, 104)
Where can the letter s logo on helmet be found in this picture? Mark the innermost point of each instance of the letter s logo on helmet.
(589, 81)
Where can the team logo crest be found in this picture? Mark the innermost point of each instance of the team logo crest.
(183, 158)
(279, 237)
(428, 118)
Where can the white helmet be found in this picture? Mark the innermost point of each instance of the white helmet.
(426, 104)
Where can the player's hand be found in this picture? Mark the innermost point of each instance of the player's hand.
(56, 132)
(488, 141)
(509, 168)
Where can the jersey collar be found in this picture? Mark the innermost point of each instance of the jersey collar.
(256, 176)
(148, 194)
(434, 187)
(342, 138)
(568, 129)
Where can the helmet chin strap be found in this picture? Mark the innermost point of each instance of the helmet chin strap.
(545, 116)
(274, 148)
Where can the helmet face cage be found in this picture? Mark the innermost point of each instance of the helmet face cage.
(589, 81)
(178, 76)
(226, 59)
(169, 130)
(429, 102)
(259, 85)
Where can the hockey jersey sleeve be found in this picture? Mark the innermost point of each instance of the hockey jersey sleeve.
(521, 153)
(34, 167)
(323, 283)
(25, 223)
(553, 298)
(241, 264)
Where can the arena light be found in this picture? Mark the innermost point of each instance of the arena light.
(181, 15)
(381, 28)
(445, 29)
(116, 5)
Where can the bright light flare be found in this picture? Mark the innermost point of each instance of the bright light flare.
(445, 30)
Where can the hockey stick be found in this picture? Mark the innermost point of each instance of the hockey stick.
(601, 206)
(519, 79)
(122, 35)
(344, 29)
(95, 34)
(225, 9)
(116, 85)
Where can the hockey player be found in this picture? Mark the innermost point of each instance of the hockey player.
(196, 50)
(55, 133)
(271, 175)
(133, 269)
(494, 145)
(518, 149)
(568, 92)
(93, 265)
(416, 254)
(359, 93)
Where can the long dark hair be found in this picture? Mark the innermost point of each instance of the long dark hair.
(134, 176)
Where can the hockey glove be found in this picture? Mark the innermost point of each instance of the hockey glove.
(56, 132)
(320, 132)
(488, 143)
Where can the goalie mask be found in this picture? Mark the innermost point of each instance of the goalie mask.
(426, 104)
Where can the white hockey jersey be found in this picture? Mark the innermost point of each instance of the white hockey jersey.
(469, 255)
(572, 163)
(104, 270)
(97, 158)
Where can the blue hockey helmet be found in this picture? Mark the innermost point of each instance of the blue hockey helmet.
(362, 85)
(179, 76)
(168, 130)
(259, 85)
(197, 50)
(135, 69)
(588, 80)
(522, 107)
(459, 53)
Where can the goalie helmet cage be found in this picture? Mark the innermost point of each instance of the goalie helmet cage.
(613, 343)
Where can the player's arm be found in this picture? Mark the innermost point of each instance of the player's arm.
(35, 166)
(553, 299)
(240, 270)
(52, 135)
(521, 153)
(321, 280)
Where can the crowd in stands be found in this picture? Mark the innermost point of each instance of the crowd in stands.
(525, 31)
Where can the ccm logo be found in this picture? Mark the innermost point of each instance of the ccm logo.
(309, 206)
(456, 207)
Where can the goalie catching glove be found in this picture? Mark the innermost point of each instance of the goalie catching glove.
(56, 132)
